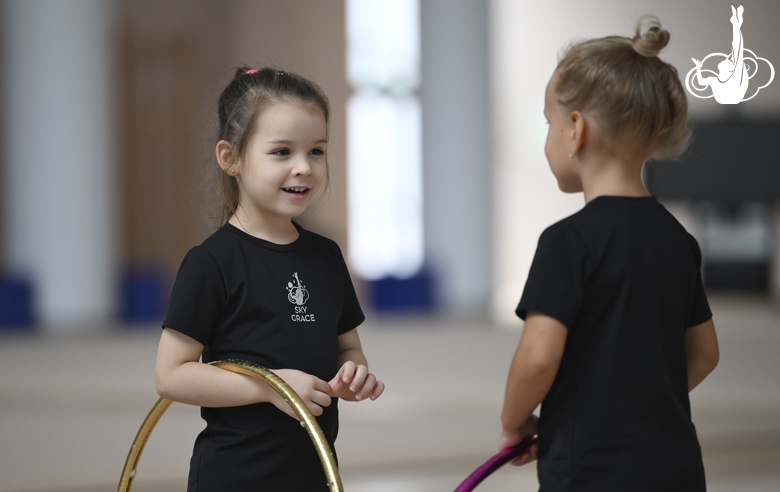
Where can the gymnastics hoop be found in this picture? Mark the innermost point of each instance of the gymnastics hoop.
(250, 369)
(497, 461)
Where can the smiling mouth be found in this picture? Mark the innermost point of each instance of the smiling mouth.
(296, 191)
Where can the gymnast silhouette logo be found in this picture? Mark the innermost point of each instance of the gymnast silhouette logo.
(297, 293)
(735, 70)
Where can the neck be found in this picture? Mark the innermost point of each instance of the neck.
(613, 176)
(279, 230)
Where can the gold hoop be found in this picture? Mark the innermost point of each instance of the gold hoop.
(250, 369)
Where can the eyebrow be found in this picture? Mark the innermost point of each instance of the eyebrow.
(285, 141)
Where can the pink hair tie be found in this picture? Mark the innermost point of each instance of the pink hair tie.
(250, 72)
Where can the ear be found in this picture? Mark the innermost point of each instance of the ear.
(226, 157)
(578, 130)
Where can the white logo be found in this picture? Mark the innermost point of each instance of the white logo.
(297, 293)
(730, 84)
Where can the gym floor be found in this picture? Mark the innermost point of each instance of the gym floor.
(70, 407)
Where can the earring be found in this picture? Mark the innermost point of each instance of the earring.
(572, 156)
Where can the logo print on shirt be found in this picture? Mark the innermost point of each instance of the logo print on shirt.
(298, 295)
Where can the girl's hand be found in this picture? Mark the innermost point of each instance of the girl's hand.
(697, 62)
(511, 437)
(353, 382)
(314, 392)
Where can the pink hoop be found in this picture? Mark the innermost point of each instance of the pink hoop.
(494, 463)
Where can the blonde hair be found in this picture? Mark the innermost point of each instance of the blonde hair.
(635, 99)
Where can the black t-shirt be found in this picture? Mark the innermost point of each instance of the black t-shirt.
(280, 306)
(624, 277)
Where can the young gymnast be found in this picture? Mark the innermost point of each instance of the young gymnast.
(617, 325)
(263, 289)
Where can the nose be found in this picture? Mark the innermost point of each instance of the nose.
(302, 167)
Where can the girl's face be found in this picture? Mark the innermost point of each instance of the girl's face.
(559, 144)
(285, 162)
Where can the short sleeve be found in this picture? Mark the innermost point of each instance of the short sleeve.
(198, 296)
(351, 315)
(555, 282)
(700, 308)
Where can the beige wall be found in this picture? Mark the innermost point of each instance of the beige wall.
(169, 52)
(177, 57)
(305, 37)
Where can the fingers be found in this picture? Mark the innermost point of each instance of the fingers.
(364, 389)
(511, 437)
(352, 374)
(314, 392)
(320, 395)
(508, 439)
(525, 458)
(360, 379)
(321, 386)
(378, 390)
(353, 382)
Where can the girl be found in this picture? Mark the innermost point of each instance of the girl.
(263, 289)
(617, 325)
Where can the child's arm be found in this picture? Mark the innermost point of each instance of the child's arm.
(353, 382)
(531, 375)
(701, 352)
(179, 376)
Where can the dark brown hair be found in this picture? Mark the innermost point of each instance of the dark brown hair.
(636, 99)
(238, 109)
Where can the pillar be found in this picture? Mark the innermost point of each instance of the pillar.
(60, 157)
(456, 152)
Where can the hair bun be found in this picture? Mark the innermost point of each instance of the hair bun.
(650, 38)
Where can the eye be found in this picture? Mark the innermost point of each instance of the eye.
(317, 151)
(283, 151)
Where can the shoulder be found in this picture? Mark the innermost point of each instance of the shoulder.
(223, 245)
(675, 229)
(218, 239)
(563, 244)
(211, 253)
(200, 256)
(694, 245)
(198, 266)
(318, 241)
(568, 231)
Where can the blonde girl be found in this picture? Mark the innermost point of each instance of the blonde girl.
(617, 325)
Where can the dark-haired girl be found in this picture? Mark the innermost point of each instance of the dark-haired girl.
(263, 289)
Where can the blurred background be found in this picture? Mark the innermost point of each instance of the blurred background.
(439, 191)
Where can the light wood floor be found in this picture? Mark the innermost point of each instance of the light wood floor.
(70, 407)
